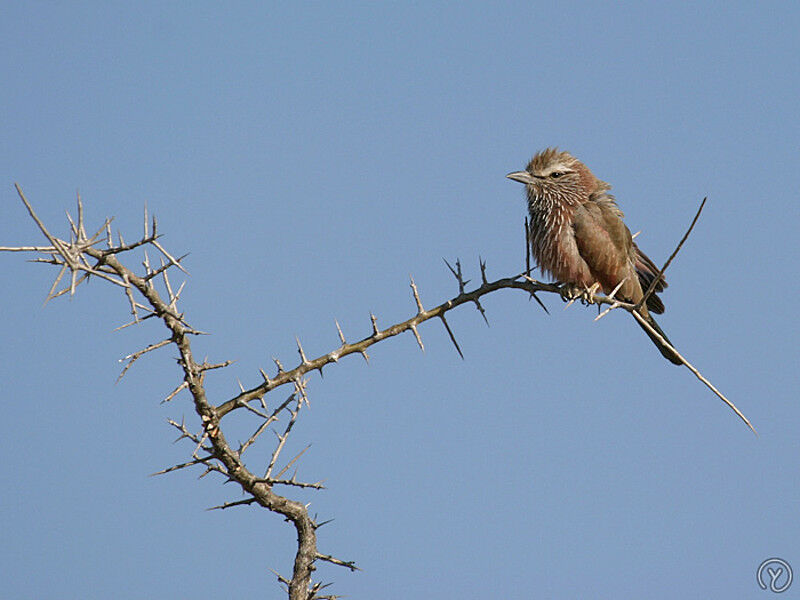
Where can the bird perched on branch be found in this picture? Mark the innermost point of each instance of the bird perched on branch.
(577, 235)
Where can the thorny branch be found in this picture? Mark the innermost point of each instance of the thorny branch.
(82, 257)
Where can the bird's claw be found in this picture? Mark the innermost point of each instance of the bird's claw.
(570, 293)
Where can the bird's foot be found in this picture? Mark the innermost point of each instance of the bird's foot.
(571, 292)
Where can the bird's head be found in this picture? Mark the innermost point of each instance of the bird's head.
(558, 176)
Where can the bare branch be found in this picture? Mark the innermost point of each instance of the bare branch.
(283, 437)
(251, 440)
(55, 283)
(165, 276)
(659, 276)
(284, 376)
(42, 249)
(80, 256)
(183, 385)
(255, 411)
(170, 258)
(211, 367)
(291, 462)
(131, 299)
(246, 502)
(55, 242)
(696, 373)
(293, 483)
(185, 433)
(269, 420)
(342, 563)
(137, 322)
(132, 358)
(191, 463)
(153, 273)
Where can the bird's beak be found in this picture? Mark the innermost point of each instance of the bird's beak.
(521, 176)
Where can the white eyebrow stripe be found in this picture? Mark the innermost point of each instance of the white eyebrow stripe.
(556, 167)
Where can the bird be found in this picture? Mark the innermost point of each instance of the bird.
(577, 235)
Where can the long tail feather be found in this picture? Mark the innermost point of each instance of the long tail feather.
(667, 352)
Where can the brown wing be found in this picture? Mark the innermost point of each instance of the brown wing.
(605, 245)
(647, 272)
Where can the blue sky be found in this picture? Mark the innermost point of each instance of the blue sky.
(310, 159)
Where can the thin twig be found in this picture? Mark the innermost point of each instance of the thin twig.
(342, 563)
(132, 358)
(191, 463)
(245, 502)
(660, 274)
(691, 367)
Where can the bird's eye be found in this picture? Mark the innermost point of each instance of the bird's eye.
(556, 174)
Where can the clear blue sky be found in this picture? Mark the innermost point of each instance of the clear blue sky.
(310, 158)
